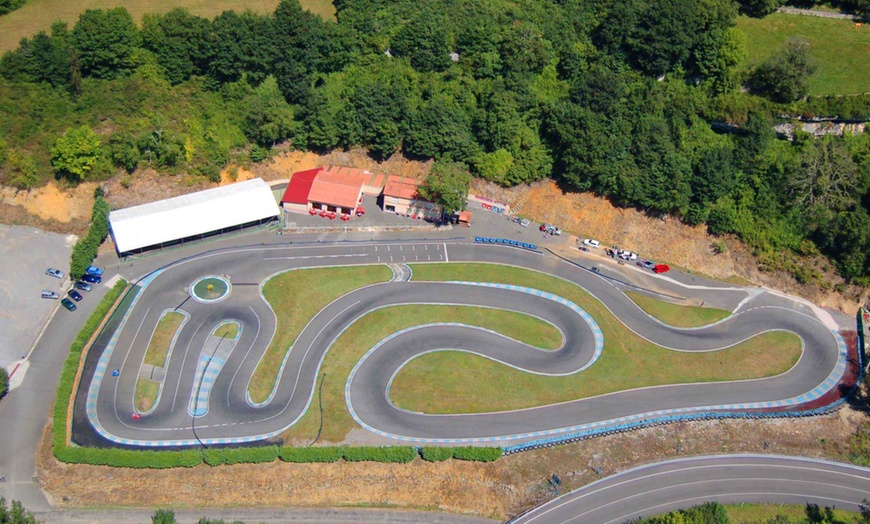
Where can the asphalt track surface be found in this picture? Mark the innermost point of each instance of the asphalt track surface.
(232, 418)
(729, 479)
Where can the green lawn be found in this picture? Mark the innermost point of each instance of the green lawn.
(158, 347)
(155, 355)
(840, 49)
(763, 513)
(228, 330)
(467, 383)
(676, 315)
(374, 327)
(146, 394)
(296, 296)
(38, 15)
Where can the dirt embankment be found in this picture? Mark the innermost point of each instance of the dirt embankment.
(669, 240)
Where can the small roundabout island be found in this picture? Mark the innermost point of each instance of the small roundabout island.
(499, 347)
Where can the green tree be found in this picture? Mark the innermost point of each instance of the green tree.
(4, 382)
(75, 154)
(447, 184)
(784, 76)
(299, 37)
(424, 41)
(15, 513)
(827, 180)
(7, 6)
(42, 58)
(22, 168)
(242, 44)
(759, 8)
(163, 516)
(105, 42)
(181, 42)
(269, 118)
(124, 151)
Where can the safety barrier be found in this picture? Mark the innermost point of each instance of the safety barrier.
(491, 207)
(504, 241)
(661, 421)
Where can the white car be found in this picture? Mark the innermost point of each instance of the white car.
(592, 243)
(52, 272)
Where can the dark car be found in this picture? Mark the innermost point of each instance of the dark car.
(75, 295)
(84, 286)
(93, 279)
(67, 303)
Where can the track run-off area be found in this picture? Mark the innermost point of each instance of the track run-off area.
(204, 394)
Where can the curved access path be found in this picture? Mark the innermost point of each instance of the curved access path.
(230, 417)
(730, 479)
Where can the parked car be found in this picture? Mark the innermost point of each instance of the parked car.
(93, 279)
(661, 268)
(67, 303)
(595, 269)
(56, 273)
(550, 229)
(525, 222)
(50, 294)
(646, 264)
(626, 255)
(592, 243)
(94, 270)
(75, 295)
(84, 286)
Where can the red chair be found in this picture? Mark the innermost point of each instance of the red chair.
(312, 211)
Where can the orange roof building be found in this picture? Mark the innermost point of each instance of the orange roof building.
(332, 189)
(401, 196)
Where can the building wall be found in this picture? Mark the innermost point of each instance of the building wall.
(295, 208)
(405, 206)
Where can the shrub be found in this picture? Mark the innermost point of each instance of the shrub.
(330, 454)
(436, 454)
(85, 250)
(248, 455)
(4, 382)
(477, 454)
(379, 454)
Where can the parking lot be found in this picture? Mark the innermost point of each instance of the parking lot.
(26, 253)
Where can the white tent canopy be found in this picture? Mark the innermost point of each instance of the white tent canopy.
(190, 215)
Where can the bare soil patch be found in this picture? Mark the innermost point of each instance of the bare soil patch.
(499, 490)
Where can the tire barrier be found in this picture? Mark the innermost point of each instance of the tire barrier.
(506, 242)
(670, 419)
(491, 207)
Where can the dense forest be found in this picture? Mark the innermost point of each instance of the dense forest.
(641, 101)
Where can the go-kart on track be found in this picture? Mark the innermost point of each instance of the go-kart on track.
(230, 417)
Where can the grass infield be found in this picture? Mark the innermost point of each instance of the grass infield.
(155, 355)
(296, 297)
(676, 315)
(839, 48)
(374, 327)
(228, 330)
(760, 513)
(468, 383)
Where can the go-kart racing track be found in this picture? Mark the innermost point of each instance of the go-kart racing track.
(225, 415)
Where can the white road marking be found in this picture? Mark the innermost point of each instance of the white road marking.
(316, 256)
(446, 258)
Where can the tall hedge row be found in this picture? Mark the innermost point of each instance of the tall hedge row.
(85, 250)
(256, 455)
(438, 454)
(70, 367)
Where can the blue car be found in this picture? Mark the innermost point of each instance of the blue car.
(93, 279)
(94, 270)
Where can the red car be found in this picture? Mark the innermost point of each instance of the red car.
(661, 268)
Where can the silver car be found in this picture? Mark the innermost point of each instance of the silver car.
(56, 273)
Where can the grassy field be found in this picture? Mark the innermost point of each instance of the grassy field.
(228, 330)
(158, 347)
(762, 513)
(467, 383)
(296, 296)
(155, 355)
(38, 15)
(146, 394)
(376, 326)
(676, 315)
(840, 49)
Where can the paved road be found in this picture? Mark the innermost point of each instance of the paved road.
(730, 479)
(232, 418)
